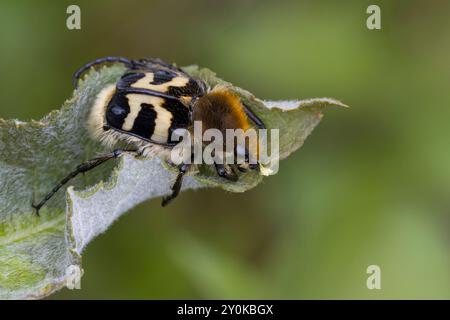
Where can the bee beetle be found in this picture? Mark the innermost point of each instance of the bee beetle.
(151, 100)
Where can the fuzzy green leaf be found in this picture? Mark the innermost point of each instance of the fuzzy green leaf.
(39, 255)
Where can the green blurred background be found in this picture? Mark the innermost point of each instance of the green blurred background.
(370, 186)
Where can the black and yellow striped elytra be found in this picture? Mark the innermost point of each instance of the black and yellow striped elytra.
(151, 103)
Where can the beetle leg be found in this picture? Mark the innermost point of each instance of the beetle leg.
(177, 185)
(252, 116)
(82, 168)
(132, 64)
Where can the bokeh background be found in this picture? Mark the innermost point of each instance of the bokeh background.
(370, 186)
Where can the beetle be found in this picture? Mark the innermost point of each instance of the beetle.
(150, 101)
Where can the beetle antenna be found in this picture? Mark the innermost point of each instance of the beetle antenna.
(252, 116)
(79, 72)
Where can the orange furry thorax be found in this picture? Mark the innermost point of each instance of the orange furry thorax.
(220, 109)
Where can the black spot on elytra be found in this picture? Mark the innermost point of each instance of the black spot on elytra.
(192, 89)
(162, 76)
(117, 111)
(144, 124)
(180, 116)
